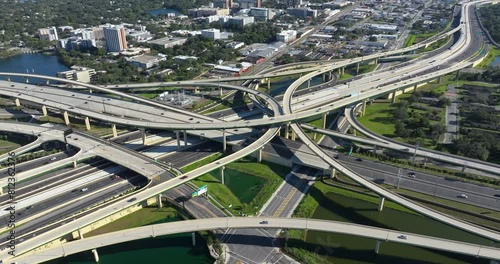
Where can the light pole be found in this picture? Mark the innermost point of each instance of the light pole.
(399, 178)
(103, 105)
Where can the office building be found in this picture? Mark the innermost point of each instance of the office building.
(286, 35)
(262, 14)
(302, 12)
(76, 43)
(204, 12)
(84, 33)
(211, 33)
(49, 34)
(115, 39)
(240, 21)
(146, 61)
(168, 42)
(77, 73)
(250, 3)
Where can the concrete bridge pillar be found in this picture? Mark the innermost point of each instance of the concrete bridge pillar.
(287, 131)
(293, 135)
(357, 68)
(27, 79)
(286, 235)
(457, 74)
(80, 233)
(324, 120)
(333, 171)
(394, 96)
(193, 237)
(343, 70)
(381, 201)
(185, 138)
(377, 246)
(222, 174)
(18, 103)
(220, 92)
(96, 256)
(8, 79)
(376, 61)
(47, 82)
(374, 150)
(74, 163)
(113, 128)
(158, 201)
(363, 108)
(87, 123)
(323, 77)
(259, 155)
(308, 83)
(90, 90)
(224, 147)
(330, 75)
(44, 110)
(415, 87)
(463, 168)
(440, 79)
(178, 139)
(144, 136)
(66, 118)
(269, 84)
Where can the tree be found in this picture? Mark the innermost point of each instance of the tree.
(419, 133)
(400, 113)
(372, 38)
(401, 130)
(443, 101)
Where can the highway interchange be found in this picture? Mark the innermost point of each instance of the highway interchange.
(371, 87)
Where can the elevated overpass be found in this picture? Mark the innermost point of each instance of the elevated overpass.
(383, 193)
(379, 234)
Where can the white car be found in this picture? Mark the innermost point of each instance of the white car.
(84, 189)
(463, 196)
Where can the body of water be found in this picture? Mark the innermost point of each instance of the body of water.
(169, 249)
(164, 11)
(33, 63)
(345, 249)
(495, 62)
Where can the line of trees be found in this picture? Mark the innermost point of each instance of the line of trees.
(490, 18)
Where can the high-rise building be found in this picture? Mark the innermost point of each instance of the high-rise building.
(115, 39)
(250, 3)
(49, 34)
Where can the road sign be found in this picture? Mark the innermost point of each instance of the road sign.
(200, 191)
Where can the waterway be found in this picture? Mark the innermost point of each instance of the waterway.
(32, 63)
(495, 62)
(345, 249)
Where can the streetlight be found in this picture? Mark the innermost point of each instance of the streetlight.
(416, 148)
(399, 178)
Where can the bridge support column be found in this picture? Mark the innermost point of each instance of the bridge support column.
(287, 130)
(439, 79)
(457, 74)
(18, 103)
(222, 174)
(374, 150)
(333, 171)
(90, 90)
(220, 92)
(381, 201)
(96, 256)
(357, 68)
(66, 118)
(80, 233)
(343, 70)
(47, 82)
(193, 237)
(293, 135)
(286, 235)
(268, 84)
(463, 168)
(394, 96)
(224, 147)
(87, 123)
(308, 83)
(144, 136)
(74, 163)
(363, 108)
(178, 139)
(8, 79)
(27, 79)
(377, 246)
(44, 110)
(259, 155)
(376, 61)
(158, 201)
(323, 77)
(185, 138)
(415, 88)
(113, 128)
(324, 120)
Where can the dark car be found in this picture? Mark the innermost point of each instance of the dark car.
(263, 222)
(131, 200)
(359, 159)
(184, 177)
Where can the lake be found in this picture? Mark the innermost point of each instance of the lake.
(33, 63)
